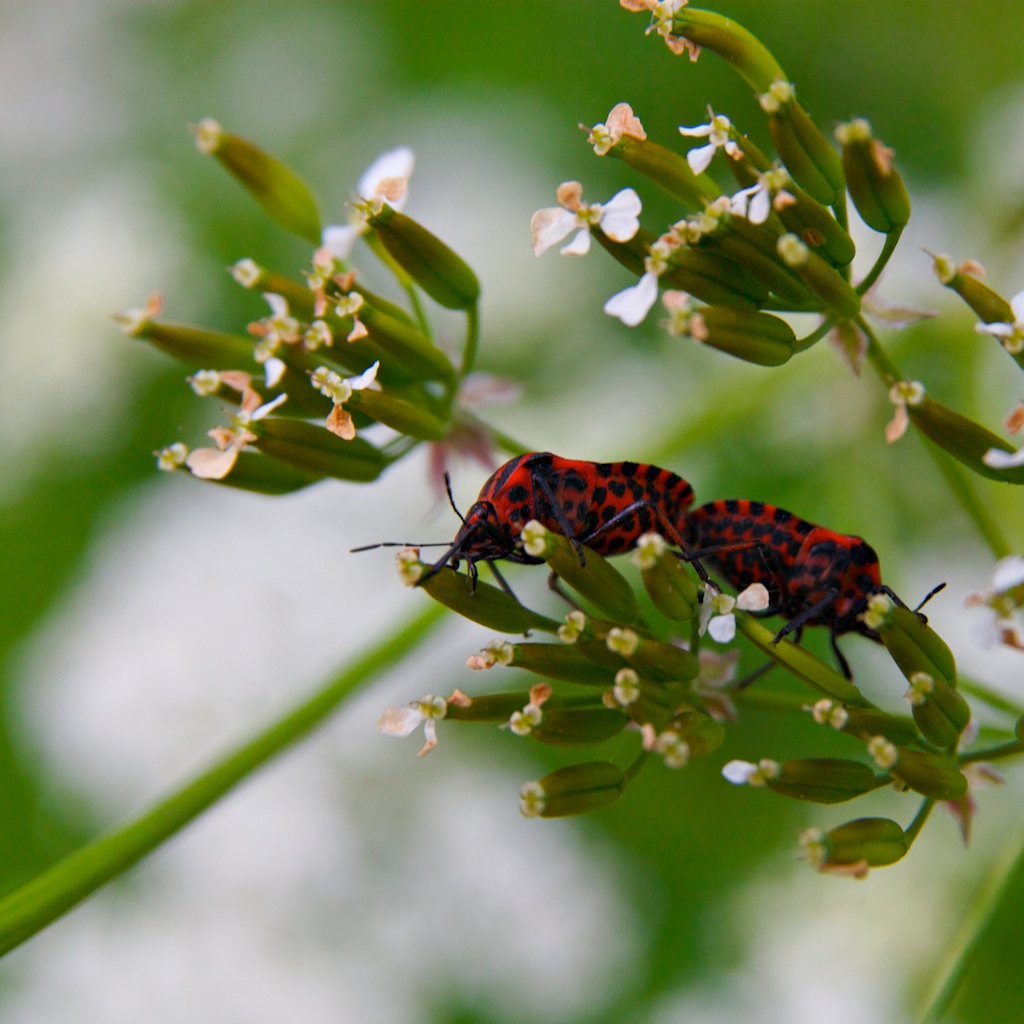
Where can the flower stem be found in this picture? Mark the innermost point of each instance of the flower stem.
(1009, 749)
(891, 241)
(472, 338)
(55, 891)
(911, 831)
(965, 945)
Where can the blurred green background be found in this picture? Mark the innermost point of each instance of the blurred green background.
(149, 622)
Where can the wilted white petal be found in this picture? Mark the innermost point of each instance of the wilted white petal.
(996, 458)
(579, 246)
(620, 219)
(633, 304)
(211, 463)
(399, 721)
(722, 628)
(753, 599)
(549, 226)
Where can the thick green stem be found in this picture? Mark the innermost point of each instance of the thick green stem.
(966, 943)
(46, 897)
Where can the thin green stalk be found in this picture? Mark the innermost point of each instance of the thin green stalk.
(891, 241)
(912, 830)
(826, 325)
(1010, 749)
(990, 697)
(472, 338)
(46, 897)
(966, 943)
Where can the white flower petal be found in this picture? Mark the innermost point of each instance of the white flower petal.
(340, 238)
(1017, 305)
(700, 158)
(579, 246)
(722, 628)
(619, 219)
(633, 304)
(394, 163)
(760, 206)
(996, 458)
(549, 226)
(365, 379)
(278, 303)
(399, 721)
(698, 131)
(273, 371)
(1009, 572)
(738, 772)
(268, 407)
(997, 329)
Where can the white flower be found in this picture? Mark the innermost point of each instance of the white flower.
(717, 616)
(718, 132)
(745, 773)
(339, 390)
(1004, 597)
(902, 394)
(621, 122)
(1010, 335)
(386, 179)
(618, 219)
(216, 463)
(171, 457)
(755, 202)
(634, 303)
(404, 721)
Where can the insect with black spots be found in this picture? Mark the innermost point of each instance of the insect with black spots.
(814, 576)
(607, 506)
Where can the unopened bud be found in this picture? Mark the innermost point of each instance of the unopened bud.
(596, 579)
(806, 153)
(436, 268)
(753, 336)
(281, 193)
(866, 842)
(575, 789)
(315, 450)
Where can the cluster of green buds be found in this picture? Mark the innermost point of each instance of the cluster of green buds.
(632, 660)
(744, 257)
(335, 380)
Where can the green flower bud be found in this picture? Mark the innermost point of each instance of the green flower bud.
(875, 185)
(315, 450)
(575, 789)
(653, 659)
(753, 336)
(666, 168)
(931, 775)
(744, 51)
(578, 726)
(437, 269)
(487, 605)
(913, 644)
(940, 712)
(823, 780)
(407, 346)
(754, 248)
(800, 663)
(806, 153)
(871, 842)
(669, 583)
(701, 733)
(566, 663)
(990, 306)
(597, 580)
(255, 472)
(822, 278)
(964, 439)
(405, 417)
(280, 191)
(208, 349)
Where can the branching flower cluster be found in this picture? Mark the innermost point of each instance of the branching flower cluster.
(333, 380)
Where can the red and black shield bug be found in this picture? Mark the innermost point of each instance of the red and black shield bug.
(814, 576)
(606, 505)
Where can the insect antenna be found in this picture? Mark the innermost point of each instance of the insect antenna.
(927, 597)
(397, 544)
